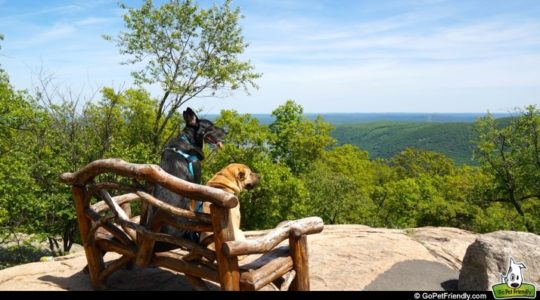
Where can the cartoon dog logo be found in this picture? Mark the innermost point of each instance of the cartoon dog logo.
(512, 284)
(514, 276)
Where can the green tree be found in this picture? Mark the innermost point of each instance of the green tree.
(510, 155)
(413, 162)
(31, 157)
(122, 123)
(17, 124)
(333, 195)
(401, 197)
(447, 201)
(298, 141)
(188, 50)
(339, 186)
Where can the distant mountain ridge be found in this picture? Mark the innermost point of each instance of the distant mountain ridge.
(356, 118)
(384, 135)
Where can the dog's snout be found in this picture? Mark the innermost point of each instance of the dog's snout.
(253, 181)
(515, 285)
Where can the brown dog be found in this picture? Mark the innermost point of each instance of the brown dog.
(234, 178)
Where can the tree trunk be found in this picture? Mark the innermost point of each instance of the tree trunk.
(519, 210)
(54, 247)
(69, 235)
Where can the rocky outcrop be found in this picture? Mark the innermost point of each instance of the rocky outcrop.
(446, 243)
(342, 257)
(350, 257)
(488, 257)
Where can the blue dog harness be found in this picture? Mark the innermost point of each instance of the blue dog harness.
(190, 159)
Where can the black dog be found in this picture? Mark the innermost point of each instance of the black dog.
(182, 158)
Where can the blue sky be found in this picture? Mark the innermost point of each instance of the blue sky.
(329, 56)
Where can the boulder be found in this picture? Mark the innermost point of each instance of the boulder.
(76, 248)
(488, 257)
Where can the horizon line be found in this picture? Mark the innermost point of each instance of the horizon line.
(349, 113)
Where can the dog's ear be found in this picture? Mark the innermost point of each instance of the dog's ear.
(190, 117)
(241, 175)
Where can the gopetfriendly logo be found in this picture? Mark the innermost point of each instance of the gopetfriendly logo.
(512, 284)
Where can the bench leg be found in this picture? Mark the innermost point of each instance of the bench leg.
(93, 254)
(299, 251)
(229, 275)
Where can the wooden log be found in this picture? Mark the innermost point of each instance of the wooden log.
(103, 234)
(288, 280)
(87, 198)
(175, 262)
(91, 237)
(102, 206)
(273, 238)
(196, 226)
(127, 208)
(143, 219)
(299, 253)
(144, 213)
(93, 255)
(119, 212)
(113, 205)
(146, 244)
(111, 228)
(154, 174)
(201, 222)
(203, 217)
(256, 279)
(114, 246)
(229, 276)
(114, 266)
(135, 219)
(205, 242)
(162, 237)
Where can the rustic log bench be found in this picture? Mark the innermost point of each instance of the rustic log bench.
(107, 225)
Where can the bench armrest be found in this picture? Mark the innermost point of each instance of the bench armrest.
(273, 238)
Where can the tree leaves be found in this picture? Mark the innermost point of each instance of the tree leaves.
(510, 155)
(187, 50)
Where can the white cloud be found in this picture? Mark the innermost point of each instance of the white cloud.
(93, 21)
(470, 41)
(57, 10)
(58, 31)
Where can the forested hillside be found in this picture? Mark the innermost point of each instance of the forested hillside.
(386, 139)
